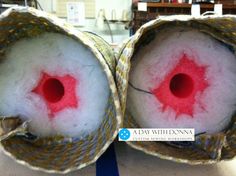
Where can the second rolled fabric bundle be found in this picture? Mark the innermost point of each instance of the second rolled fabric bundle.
(179, 72)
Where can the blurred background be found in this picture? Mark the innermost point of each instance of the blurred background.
(116, 20)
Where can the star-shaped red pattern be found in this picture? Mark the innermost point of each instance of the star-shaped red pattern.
(180, 87)
(58, 92)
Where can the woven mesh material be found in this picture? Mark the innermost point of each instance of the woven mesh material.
(207, 148)
(106, 51)
(59, 154)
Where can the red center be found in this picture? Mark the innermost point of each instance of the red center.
(53, 90)
(58, 92)
(180, 87)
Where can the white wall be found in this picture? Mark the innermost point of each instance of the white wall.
(46, 5)
(118, 29)
(109, 5)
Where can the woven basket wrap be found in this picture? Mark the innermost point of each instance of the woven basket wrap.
(207, 148)
(56, 154)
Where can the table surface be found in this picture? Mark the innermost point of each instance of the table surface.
(131, 163)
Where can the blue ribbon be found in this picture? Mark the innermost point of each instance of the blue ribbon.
(106, 165)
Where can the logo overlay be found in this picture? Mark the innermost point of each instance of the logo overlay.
(124, 134)
(156, 134)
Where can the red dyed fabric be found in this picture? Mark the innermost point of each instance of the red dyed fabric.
(58, 92)
(180, 86)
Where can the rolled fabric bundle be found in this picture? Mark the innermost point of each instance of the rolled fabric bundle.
(180, 72)
(59, 105)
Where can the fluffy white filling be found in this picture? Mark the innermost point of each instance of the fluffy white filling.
(153, 62)
(55, 54)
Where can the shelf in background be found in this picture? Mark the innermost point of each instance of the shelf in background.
(155, 9)
(185, 5)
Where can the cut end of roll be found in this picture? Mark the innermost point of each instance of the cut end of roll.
(57, 92)
(180, 87)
